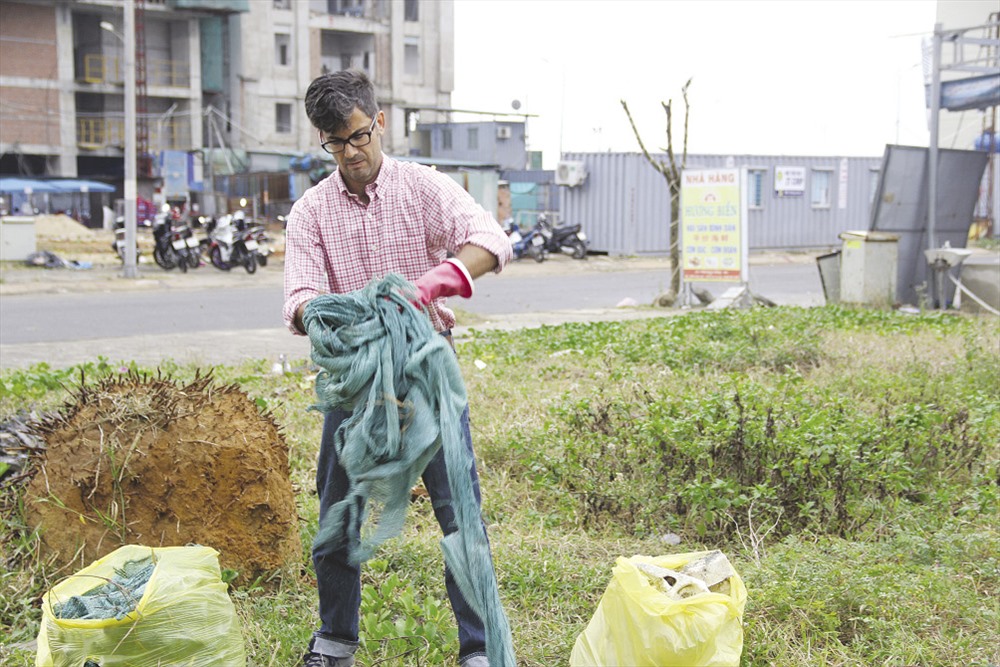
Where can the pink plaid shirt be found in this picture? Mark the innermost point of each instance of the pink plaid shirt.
(415, 216)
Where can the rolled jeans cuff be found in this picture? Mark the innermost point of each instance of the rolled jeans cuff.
(332, 647)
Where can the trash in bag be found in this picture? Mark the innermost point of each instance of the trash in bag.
(115, 599)
(142, 607)
(679, 610)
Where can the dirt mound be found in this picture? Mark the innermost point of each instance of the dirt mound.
(141, 460)
(61, 227)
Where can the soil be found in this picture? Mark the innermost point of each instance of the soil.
(141, 460)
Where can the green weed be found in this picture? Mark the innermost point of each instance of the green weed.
(845, 460)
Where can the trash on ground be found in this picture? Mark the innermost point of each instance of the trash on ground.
(149, 607)
(681, 609)
(50, 260)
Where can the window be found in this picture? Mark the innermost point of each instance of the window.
(873, 176)
(282, 45)
(345, 7)
(411, 10)
(282, 4)
(283, 118)
(473, 138)
(411, 56)
(755, 185)
(446, 138)
(412, 119)
(821, 179)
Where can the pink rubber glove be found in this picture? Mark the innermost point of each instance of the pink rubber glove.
(449, 278)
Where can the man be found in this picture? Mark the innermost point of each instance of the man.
(374, 216)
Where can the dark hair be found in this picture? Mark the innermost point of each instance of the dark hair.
(332, 98)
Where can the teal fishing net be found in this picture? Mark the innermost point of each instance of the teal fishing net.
(115, 599)
(381, 359)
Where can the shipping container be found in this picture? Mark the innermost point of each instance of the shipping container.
(623, 202)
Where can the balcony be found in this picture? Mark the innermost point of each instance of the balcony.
(97, 133)
(107, 69)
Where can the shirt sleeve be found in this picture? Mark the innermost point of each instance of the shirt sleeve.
(305, 261)
(456, 219)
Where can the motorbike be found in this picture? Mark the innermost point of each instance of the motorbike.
(231, 243)
(529, 243)
(567, 239)
(118, 245)
(259, 234)
(174, 244)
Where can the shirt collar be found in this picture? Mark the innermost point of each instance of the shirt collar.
(383, 178)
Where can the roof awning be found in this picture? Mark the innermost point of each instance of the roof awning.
(25, 185)
(77, 185)
(65, 185)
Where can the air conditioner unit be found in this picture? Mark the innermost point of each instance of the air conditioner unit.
(503, 132)
(571, 173)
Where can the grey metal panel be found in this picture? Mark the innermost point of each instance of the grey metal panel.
(543, 176)
(625, 205)
(902, 207)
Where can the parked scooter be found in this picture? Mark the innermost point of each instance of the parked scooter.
(230, 243)
(529, 243)
(259, 234)
(567, 239)
(119, 243)
(174, 243)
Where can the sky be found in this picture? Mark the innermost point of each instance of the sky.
(785, 77)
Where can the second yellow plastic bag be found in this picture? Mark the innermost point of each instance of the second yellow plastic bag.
(184, 617)
(637, 625)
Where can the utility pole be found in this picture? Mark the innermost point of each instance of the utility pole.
(131, 259)
(932, 157)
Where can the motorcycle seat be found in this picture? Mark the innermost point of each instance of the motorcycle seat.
(567, 229)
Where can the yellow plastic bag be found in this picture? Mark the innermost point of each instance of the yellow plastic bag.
(184, 616)
(638, 625)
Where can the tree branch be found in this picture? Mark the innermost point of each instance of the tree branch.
(656, 165)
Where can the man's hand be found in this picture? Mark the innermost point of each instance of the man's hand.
(449, 278)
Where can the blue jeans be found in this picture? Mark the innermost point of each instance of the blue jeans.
(339, 582)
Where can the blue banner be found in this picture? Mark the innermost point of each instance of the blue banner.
(978, 92)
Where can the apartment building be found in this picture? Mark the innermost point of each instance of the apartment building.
(221, 81)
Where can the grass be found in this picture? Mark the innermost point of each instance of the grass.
(846, 461)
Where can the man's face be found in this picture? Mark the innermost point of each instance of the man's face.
(359, 166)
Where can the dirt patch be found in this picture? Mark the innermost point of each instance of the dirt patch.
(141, 460)
(61, 227)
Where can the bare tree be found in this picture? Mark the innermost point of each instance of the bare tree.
(670, 171)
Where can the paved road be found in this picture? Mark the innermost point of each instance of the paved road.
(256, 303)
(211, 317)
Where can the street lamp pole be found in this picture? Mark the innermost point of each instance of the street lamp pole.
(131, 259)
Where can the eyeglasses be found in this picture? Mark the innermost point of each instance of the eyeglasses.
(358, 139)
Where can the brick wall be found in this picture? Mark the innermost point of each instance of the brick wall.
(28, 41)
(30, 110)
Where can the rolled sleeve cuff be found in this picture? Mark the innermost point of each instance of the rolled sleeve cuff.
(497, 245)
(292, 305)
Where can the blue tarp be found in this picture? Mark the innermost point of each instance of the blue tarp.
(23, 185)
(77, 185)
(13, 184)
